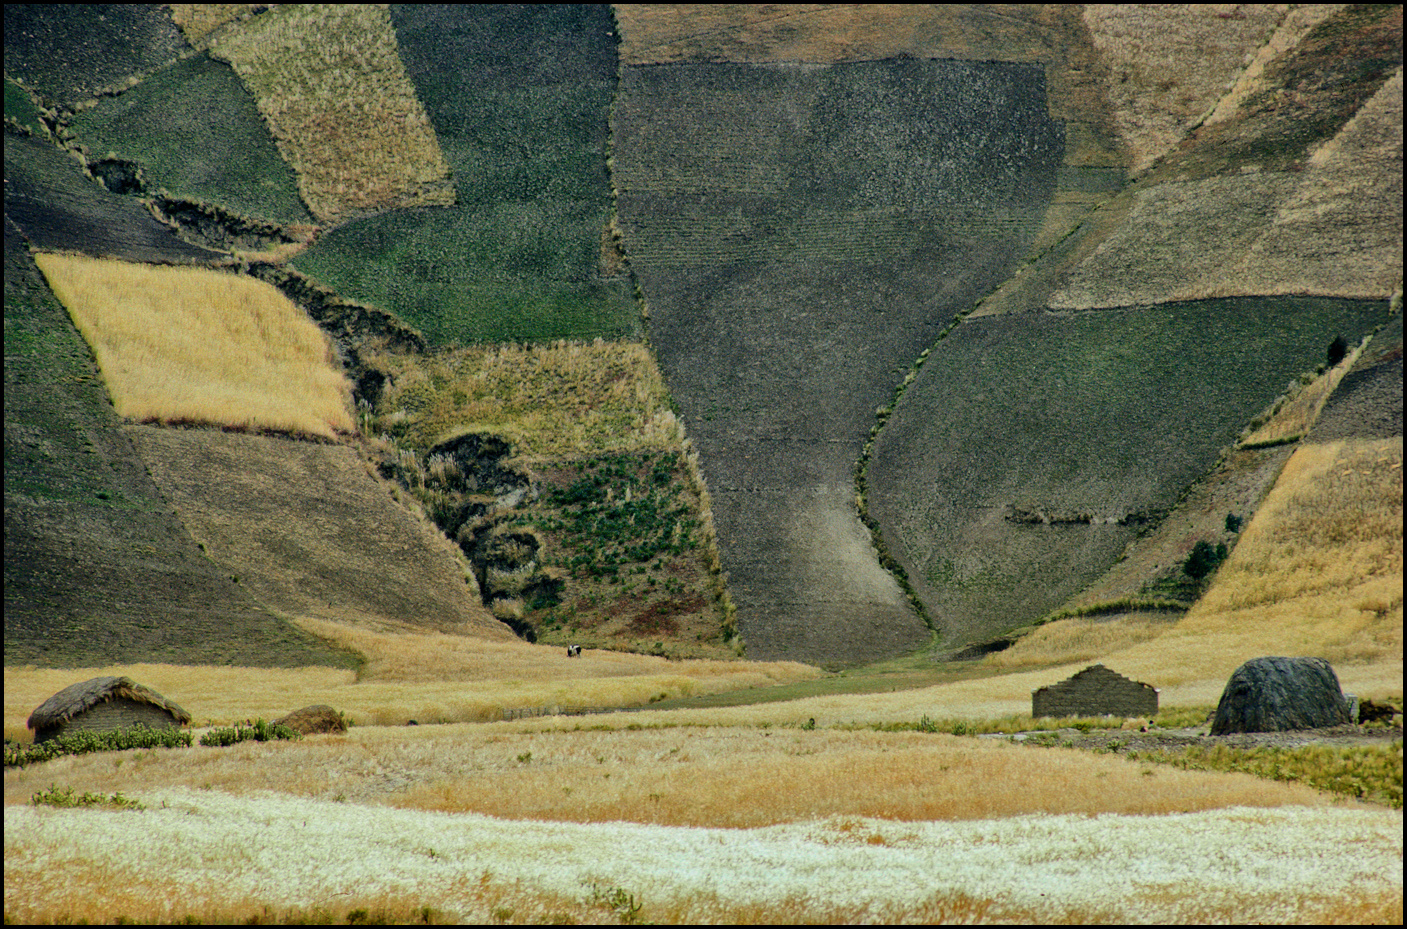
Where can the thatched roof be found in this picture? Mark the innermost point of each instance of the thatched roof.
(79, 698)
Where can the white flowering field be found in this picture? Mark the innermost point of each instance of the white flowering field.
(212, 853)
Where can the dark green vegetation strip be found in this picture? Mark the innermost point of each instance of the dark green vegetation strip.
(84, 741)
(98, 568)
(1030, 449)
(1364, 772)
(519, 97)
(194, 130)
(69, 52)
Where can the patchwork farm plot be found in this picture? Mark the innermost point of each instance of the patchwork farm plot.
(796, 258)
(169, 122)
(1003, 502)
(518, 98)
(372, 341)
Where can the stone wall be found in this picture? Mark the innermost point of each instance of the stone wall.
(1095, 691)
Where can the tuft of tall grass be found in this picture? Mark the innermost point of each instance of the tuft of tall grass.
(329, 80)
(193, 345)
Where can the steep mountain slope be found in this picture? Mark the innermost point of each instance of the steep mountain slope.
(955, 303)
(99, 567)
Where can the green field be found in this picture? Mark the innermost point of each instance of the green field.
(519, 98)
(171, 122)
(1030, 449)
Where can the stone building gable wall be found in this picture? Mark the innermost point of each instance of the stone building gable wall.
(1096, 691)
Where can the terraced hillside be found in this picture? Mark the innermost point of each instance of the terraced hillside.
(885, 325)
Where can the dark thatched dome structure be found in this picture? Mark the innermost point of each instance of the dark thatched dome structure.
(104, 703)
(1279, 694)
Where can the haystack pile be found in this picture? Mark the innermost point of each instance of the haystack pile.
(1279, 694)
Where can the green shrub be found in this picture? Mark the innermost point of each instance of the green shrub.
(55, 796)
(259, 731)
(1204, 559)
(79, 743)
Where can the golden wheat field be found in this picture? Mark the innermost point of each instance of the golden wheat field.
(193, 345)
(329, 81)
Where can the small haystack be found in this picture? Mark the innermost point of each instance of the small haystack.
(103, 704)
(1279, 694)
(311, 720)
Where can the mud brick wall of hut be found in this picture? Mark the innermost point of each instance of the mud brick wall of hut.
(1095, 691)
(116, 714)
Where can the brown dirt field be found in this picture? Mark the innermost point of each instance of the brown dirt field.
(310, 532)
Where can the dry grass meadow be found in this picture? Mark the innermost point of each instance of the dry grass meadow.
(556, 401)
(192, 345)
(329, 81)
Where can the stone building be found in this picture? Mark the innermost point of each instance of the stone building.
(102, 704)
(1095, 691)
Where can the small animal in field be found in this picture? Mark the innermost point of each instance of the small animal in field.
(573, 651)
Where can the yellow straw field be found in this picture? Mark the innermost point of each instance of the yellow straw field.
(192, 345)
(330, 83)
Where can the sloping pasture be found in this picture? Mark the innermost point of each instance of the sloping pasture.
(1029, 449)
(59, 206)
(518, 98)
(171, 122)
(98, 567)
(797, 256)
(311, 533)
(620, 521)
(67, 54)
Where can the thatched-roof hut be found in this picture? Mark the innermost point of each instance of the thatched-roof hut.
(102, 704)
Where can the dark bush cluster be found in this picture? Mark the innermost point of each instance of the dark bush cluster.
(621, 511)
(1204, 559)
(80, 743)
